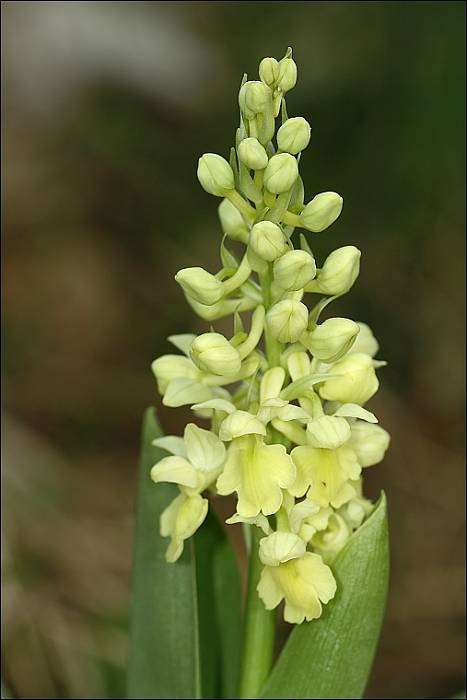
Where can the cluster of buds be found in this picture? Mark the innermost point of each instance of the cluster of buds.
(284, 394)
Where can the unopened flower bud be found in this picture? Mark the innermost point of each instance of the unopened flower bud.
(287, 74)
(200, 285)
(253, 98)
(294, 270)
(294, 135)
(357, 381)
(232, 221)
(269, 71)
(322, 211)
(267, 240)
(332, 339)
(369, 442)
(365, 341)
(252, 154)
(287, 320)
(215, 174)
(281, 173)
(213, 353)
(339, 272)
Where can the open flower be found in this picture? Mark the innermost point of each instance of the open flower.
(257, 473)
(197, 459)
(330, 541)
(305, 583)
(325, 473)
(194, 465)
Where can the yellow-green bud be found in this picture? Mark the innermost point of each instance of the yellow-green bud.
(252, 154)
(339, 272)
(369, 442)
(253, 98)
(200, 285)
(332, 339)
(287, 74)
(281, 173)
(287, 320)
(269, 71)
(358, 381)
(294, 135)
(294, 270)
(215, 174)
(213, 353)
(322, 211)
(365, 341)
(232, 221)
(267, 240)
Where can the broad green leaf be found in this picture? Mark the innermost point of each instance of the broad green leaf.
(163, 655)
(206, 541)
(332, 657)
(229, 615)
(175, 648)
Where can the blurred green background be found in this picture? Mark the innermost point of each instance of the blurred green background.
(107, 107)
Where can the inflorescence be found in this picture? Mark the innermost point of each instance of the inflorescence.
(285, 393)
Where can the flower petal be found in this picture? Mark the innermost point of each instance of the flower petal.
(182, 391)
(280, 547)
(173, 444)
(239, 424)
(328, 432)
(260, 521)
(204, 449)
(270, 593)
(175, 470)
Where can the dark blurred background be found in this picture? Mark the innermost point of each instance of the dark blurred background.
(107, 107)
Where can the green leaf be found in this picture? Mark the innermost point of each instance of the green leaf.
(175, 648)
(208, 538)
(229, 615)
(332, 657)
(163, 654)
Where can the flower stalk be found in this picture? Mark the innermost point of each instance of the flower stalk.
(259, 630)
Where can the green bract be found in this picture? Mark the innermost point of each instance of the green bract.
(282, 390)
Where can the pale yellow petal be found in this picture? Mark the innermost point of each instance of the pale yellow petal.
(320, 575)
(174, 551)
(191, 514)
(169, 516)
(302, 457)
(175, 470)
(268, 590)
(280, 547)
(204, 449)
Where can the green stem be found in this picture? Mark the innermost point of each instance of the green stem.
(259, 630)
(243, 206)
(290, 219)
(273, 348)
